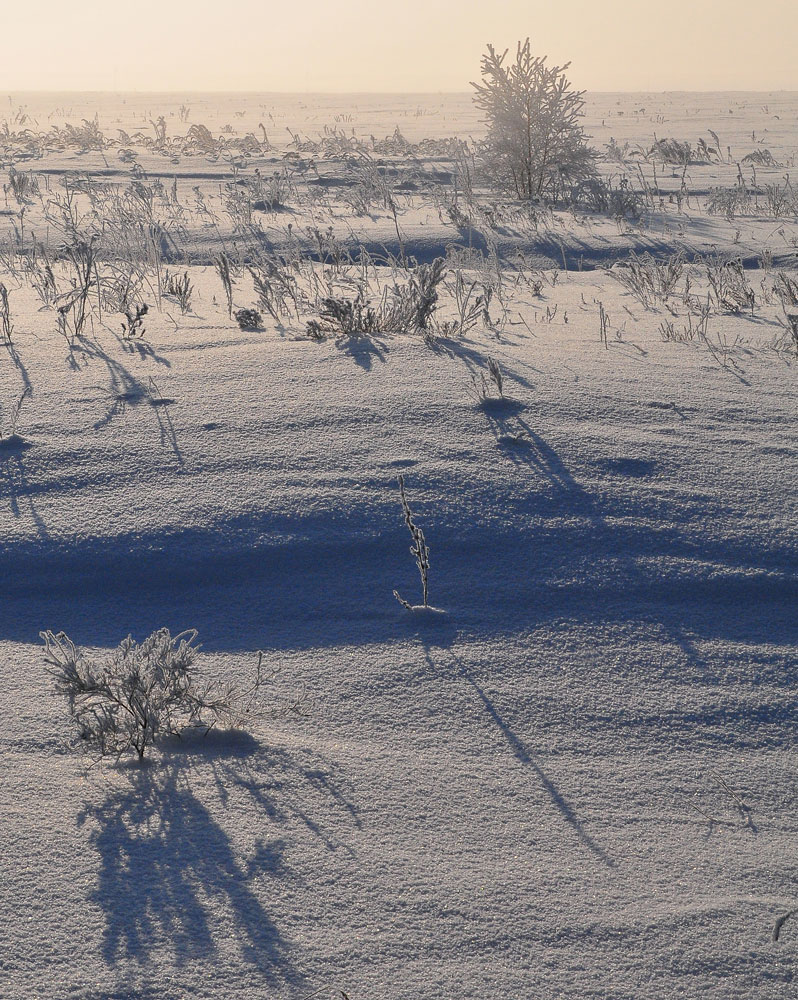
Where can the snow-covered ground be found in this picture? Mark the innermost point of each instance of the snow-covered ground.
(577, 781)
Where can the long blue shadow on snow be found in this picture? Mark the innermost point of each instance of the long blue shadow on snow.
(162, 856)
(547, 249)
(522, 754)
(328, 589)
(437, 642)
(267, 580)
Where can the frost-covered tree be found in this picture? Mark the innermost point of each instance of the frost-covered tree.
(535, 146)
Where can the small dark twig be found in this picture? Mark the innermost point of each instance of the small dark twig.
(781, 922)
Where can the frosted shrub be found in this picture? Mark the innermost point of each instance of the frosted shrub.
(179, 288)
(409, 307)
(728, 285)
(648, 279)
(133, 325)
(24, 187)
(595, 194)
(346, 318)
(481, 386)
(140, 691)
(73, 305)
(222, 265)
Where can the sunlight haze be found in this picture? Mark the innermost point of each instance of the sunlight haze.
(414, 46)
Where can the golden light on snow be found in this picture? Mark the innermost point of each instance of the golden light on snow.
(415, 45)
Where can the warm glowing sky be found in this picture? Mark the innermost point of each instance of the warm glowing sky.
(392, 45)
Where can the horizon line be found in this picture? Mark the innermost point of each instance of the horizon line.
(379, 93)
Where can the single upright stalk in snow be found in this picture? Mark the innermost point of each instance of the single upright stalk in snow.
(222, 263)
(419, 549)
(6, 327)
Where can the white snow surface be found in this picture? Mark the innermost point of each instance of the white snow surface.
(577, 782)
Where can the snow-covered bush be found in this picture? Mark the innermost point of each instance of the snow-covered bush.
(133, 323)
(73, 304)
(595, 194)
(141, 691)
(179, 288)
(222, 265)
(729, 202)
(728, 285)
(535, 146)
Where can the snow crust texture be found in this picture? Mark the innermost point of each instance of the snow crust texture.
(579, 781)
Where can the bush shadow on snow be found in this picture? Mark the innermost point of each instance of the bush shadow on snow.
(170, 876)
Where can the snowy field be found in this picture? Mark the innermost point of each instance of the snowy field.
(576, 781)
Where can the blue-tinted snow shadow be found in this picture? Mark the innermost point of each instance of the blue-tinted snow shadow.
(168, 867)
(27, 385)
(523, 755)
(364, 350)
(557, 552)
(438, 644)
(14, 482)
(551, 249)
(321, 592)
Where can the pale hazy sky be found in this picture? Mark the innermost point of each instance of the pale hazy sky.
(392, 45)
